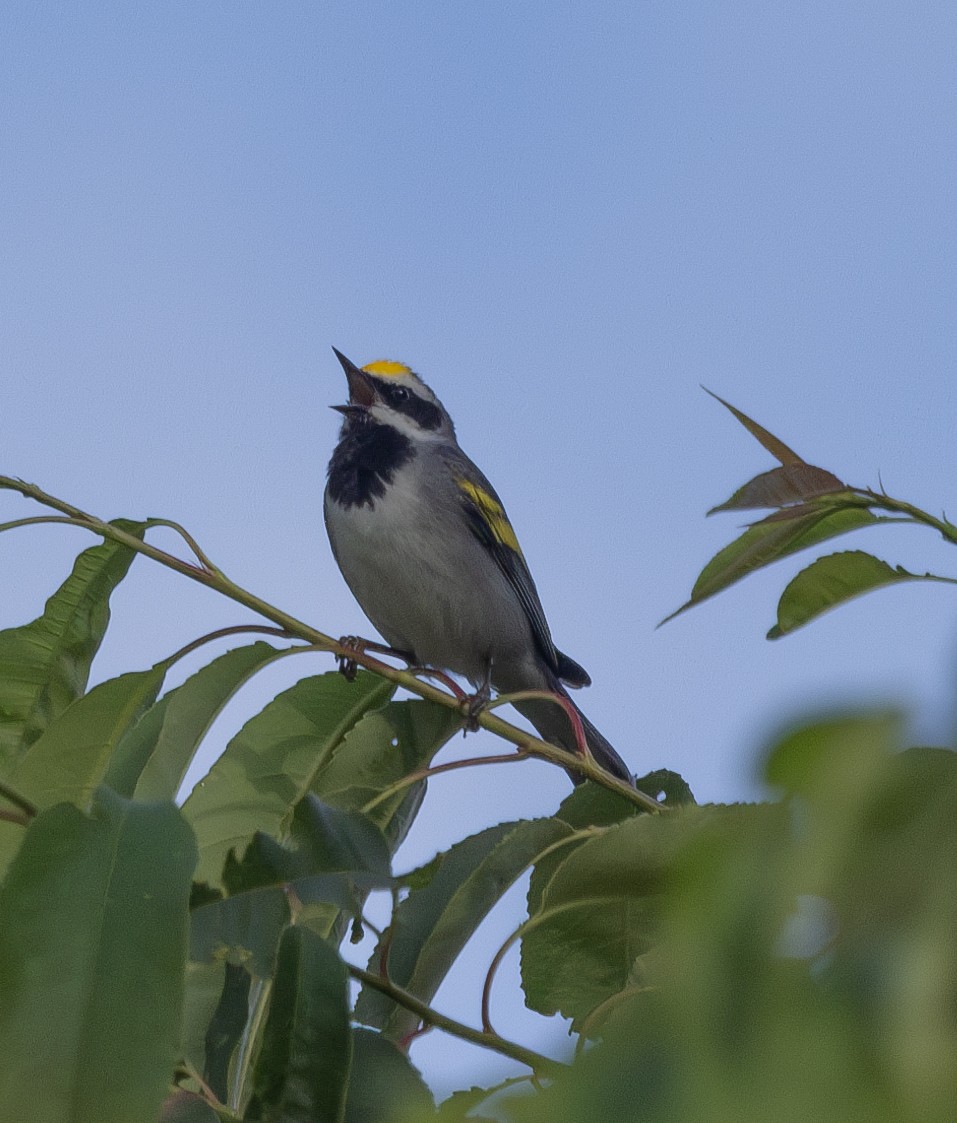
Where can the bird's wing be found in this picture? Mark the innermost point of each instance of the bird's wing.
(489, 523)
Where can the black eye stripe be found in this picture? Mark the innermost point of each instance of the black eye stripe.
(402, 400)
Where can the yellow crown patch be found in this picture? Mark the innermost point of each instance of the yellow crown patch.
(387, 368)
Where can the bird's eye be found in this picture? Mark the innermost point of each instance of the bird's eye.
(400, 394)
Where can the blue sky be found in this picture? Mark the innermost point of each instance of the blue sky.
(567, 218)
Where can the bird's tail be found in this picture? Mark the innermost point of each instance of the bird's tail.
(553, 724)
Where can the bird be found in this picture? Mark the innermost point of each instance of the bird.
(424, 543)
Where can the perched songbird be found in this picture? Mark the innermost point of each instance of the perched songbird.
(426, 547)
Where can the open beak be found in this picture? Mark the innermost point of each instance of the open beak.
(361, 393)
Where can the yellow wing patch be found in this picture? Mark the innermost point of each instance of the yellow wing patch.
(492, 514)
(387, 368)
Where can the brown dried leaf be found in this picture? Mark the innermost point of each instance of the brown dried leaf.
(778, 449)
(789, 484)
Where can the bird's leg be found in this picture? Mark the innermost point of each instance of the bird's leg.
(348, 667)
(442, 677)
(473, 704)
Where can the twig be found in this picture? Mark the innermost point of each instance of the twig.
(535, 1061)
(221, 633)
(435, 769)
(887, 503)
(190, 541)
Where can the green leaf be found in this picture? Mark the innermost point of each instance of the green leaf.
(835, 756)
(44, 665)
(766, 542)
(667, 787)
(596, 915)
(592, 805)
(226, 1029)
(152, 757)
(384, 1085)
(789, 484)
(204, 984)
(830, 581)
(324, 839)
(69, 760)
(241, 931)
(382, 748)
(336, 856)
(302, 1071)
(92, 949)
(461, 1107)
(273, 761)
(432, 925)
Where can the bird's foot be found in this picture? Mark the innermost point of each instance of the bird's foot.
(347, 665)
(356, 645)
(473, 704)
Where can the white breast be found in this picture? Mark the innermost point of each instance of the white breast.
(426, 583)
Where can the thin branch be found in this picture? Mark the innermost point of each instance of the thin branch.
(190, 541)
(232, 630)
(535, 1061)
(887, 503)
(36, 520)
(584, 766)
(436, 769)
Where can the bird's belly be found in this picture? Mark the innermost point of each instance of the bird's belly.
(446, 602)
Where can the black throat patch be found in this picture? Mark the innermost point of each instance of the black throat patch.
(365, 461)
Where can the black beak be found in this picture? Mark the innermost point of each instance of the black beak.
(361, 392)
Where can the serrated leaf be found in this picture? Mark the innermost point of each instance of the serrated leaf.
(273, 761)
(667, 787)
(92, 949)
(44, 665)
(766, 542)
(597, 914)
(461, 1106)
(831, 581)
(781, 487)
(152, 757)
(778, 449)
(70, 759)
(302, 1070)
(592, 805)
(384, 1085)
(432, 925)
